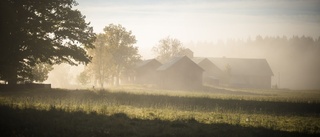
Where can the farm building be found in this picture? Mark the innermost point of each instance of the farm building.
(146, 71)
(247, 73)
(180, 72)
(212, 74)
(186, 52)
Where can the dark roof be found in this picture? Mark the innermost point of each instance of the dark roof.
(173, 61)
(145, 62)
(170, 63)
(197, 60)
(187, 50)
(251, 67)
(206, 64)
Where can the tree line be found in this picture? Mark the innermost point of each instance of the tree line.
(294, 60)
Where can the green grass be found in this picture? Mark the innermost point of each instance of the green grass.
(276, 112)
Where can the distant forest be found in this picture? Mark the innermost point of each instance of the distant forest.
(295, 60)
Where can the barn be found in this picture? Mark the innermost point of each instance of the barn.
(180, 73)
(244, 73)
(212, 74)
(186, 52)
(145, 71)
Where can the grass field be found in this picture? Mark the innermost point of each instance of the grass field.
(146, 111)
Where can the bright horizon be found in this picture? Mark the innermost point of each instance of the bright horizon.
(193, 21)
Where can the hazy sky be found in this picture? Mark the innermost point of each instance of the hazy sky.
(203, 20)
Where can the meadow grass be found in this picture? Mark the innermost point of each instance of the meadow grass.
(275, 95)
(270, 109)
(56, 122)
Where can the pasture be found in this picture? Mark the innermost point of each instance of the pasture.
(146, 111)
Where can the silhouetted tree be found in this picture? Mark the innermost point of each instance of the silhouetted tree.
(41, 31)
(167, 48)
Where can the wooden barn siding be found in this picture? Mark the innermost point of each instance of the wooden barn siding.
(211, 71)
(251, 81)
(147, 76)
(181, 78)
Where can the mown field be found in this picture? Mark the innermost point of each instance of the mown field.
(146, 111)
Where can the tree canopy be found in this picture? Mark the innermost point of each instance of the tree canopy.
(114, 54)
(102, 65)
(167, 48)
(39, 72)
(41, 31)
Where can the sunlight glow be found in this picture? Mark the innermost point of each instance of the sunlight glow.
(204, 20)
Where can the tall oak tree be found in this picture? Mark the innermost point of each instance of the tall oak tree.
(41, 31)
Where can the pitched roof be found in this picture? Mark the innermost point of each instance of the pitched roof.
(175, 60)
(251, 67)
(197, 60)
(145, 62)
(170, 63)
(206, 64)
(188, 50)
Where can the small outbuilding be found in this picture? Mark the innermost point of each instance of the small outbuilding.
(244, 73)
(180, 73)
(186, 52)
(146, 72)
(212, 74)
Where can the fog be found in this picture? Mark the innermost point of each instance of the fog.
(202, 20)
(65, 76)
(218, 29)
(293, 60)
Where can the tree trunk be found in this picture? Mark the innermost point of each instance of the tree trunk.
(117, 80)
(112, 80)
(101, 84)
(13, 76)
(101, 81)
(118, 76)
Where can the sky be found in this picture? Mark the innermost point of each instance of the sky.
(203, 20)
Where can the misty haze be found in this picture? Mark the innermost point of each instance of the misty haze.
(160, 68)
